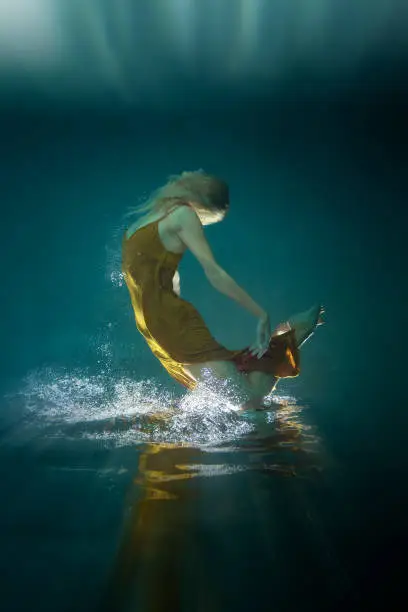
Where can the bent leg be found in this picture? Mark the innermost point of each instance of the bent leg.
(250, 395)
(263, 382)
(303, 325)
(253, 384)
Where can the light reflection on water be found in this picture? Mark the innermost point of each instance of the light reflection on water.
(175, 446)
(116, 411)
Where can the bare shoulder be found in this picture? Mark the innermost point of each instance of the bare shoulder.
(191, 233)
(186, 218)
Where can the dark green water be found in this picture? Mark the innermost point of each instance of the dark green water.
(108, 507)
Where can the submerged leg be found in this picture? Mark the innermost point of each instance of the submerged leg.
(250, 395)
(263, 384)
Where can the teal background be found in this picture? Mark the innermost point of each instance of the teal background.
(317, 174)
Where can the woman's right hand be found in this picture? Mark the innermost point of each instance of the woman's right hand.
(263, 336)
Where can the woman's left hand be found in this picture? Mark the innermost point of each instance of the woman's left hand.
(263, 335)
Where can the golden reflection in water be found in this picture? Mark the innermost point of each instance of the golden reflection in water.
(158, 529)
(147, 570)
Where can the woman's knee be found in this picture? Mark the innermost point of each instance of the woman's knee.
(240, 388)
(220, 370)
(262, 382)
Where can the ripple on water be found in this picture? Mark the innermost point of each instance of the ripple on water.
(118, 411)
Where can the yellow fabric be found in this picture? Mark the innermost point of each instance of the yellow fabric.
(174, 330)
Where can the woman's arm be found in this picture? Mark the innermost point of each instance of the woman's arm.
(191, 233)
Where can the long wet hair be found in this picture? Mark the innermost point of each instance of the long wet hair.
(207, 194)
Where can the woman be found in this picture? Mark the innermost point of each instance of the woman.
(175, 332)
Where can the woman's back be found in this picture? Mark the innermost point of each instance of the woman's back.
(174, 330)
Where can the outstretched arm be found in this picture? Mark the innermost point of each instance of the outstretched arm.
(191, 233)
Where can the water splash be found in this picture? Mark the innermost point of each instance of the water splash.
(118, 411)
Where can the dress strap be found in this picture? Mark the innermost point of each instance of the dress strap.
(156, 221)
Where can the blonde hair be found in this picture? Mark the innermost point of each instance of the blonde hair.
(207, 194)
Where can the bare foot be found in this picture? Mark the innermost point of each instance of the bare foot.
(306, 322)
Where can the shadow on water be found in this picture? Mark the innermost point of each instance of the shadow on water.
(216, 503)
